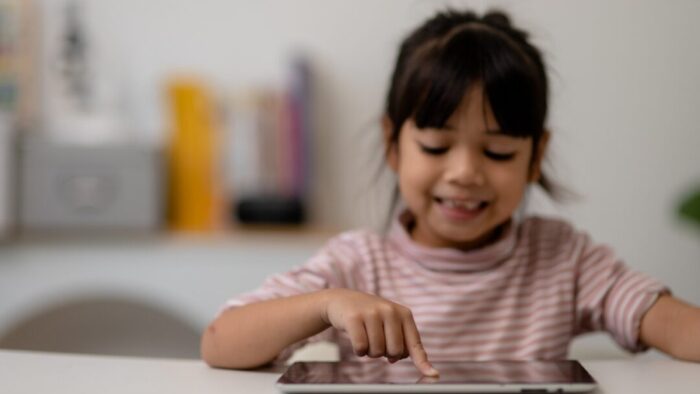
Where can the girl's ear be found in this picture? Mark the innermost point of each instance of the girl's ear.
(391, 154)
(541, 148)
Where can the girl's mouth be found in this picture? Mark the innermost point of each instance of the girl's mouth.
(458, 209)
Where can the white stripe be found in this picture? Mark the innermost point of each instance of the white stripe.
(513, 309)
(426, 304)
(496, 339)
(536, 279)
(520, 326)
(625, 318)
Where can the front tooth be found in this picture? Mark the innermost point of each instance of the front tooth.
(471, 205)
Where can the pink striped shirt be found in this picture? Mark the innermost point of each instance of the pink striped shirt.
(525, 296)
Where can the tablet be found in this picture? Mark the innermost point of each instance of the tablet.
(379, 376)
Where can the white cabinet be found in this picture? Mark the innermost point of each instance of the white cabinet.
(186, 279)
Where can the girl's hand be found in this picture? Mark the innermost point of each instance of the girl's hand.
(377, 327)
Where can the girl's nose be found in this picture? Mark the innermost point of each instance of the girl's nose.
(465, 169)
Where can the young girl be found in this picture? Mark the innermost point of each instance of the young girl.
(458, 276)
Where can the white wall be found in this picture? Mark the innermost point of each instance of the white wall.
(625, 77)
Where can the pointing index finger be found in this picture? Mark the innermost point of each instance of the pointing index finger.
(416, 350)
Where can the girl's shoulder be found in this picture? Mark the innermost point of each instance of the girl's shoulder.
(540, 229)
(358, 236)
(356, 241)
(546, 224)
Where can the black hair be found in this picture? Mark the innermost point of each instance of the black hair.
(439, 61)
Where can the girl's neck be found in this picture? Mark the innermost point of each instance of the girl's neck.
(486, 239)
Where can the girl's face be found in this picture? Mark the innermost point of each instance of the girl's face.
(463, 181)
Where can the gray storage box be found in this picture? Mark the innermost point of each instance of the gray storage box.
(69, 187)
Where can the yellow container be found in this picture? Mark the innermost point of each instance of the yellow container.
(193, 198)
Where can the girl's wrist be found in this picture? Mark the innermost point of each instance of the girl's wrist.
(323, 300)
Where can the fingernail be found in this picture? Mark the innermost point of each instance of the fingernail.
(433, 372)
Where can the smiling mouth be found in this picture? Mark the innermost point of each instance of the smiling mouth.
(461, 209)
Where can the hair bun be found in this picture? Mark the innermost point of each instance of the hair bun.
(497, 18)
(500, 20)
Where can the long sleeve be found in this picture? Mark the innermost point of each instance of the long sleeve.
(611, 296)
(332, 266)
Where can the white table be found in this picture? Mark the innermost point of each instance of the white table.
(55, 373)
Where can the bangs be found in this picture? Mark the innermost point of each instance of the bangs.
(440, 75)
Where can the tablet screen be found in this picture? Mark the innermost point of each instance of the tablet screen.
(404, 372)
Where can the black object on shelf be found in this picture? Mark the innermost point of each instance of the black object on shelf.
(270, 210)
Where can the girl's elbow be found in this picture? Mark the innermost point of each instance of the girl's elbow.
(216, 353)
(208, 349)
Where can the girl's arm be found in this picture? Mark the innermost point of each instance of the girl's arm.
(253, 335)
(673, 327)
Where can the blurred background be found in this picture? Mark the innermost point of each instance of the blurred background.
(158, 157)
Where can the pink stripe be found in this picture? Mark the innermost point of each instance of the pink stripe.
(624, 308)
(520, 327)
(592, 271)
(632, 334)
(554, 310)
(542, 278)
(526, 296)
(456, 294)
(590, 290)
(557, 335)
(499, 338)
(619, 296)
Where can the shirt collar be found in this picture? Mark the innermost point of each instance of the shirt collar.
(449, 259)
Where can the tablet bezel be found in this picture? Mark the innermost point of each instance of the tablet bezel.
(586, 384)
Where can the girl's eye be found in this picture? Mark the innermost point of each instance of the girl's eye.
(499, 156)
(433, 150)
